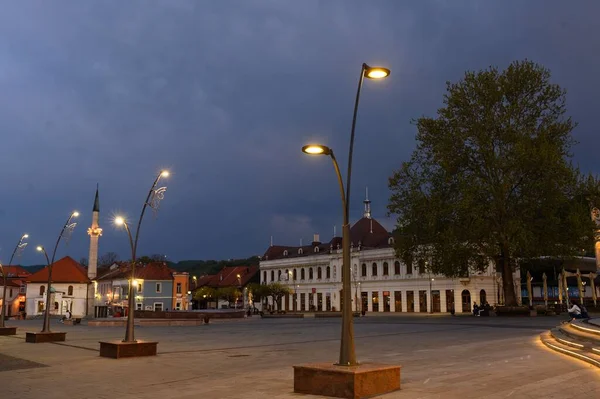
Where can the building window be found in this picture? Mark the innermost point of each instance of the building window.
(278, 275)
(295, 274)
(302, 274)
(316, 249)
(374, 269)
(42, 289)
(10, 293)
(300, 252)
(265, 276)
(179, 288)
(421, 266)
(319, 273)
(159, 289)
(140, 287)
(285, 253)
(272, 275)
(386, 269)
(70, 290)
(287, 274)
(328, 272)
(310, 273)
(138, 306)
(178, 306)
(158, 306)
(396, 267)
(363, 271)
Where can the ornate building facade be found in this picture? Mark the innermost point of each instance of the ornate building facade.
(380, 281)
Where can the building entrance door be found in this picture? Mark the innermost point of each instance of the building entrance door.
(466, 301)
(436, 301)
(449, 300)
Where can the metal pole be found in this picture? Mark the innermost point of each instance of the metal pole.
(129, 331)
(46, 326)
(3, 308)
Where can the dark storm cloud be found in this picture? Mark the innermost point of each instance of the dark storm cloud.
(226, 93)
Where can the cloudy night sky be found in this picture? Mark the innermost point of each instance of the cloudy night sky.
(225, 93)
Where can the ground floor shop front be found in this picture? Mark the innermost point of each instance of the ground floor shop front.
(424, 296)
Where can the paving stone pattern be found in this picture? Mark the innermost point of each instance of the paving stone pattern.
(441, 357)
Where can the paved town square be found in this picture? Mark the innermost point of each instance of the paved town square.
(441, 356)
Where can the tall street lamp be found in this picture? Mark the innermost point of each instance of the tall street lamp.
(17, 251)
(115, 350)
(304, 375)
(347, 351)
(46, 335)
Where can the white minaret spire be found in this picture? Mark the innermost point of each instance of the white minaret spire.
(94, 232)
(367, 203)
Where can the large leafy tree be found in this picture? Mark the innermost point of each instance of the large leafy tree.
(491, 179)
(278, 291)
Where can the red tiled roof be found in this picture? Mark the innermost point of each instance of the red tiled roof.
(15, 271)
(227, 277)
(65, 270)
(366, 231)
(151, 271)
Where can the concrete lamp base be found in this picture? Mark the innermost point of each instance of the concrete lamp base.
(119, 349)
(8, 330)
(362, 381)
(40, 337)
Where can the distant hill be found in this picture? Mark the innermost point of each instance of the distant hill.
(202, 267)
(34, 268)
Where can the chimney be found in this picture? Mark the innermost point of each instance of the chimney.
(316, 240)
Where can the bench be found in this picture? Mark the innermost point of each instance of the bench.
(72, 322)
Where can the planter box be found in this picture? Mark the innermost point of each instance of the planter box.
(119, 349)
(362, 381)
(334, 314)
(40, 337)
(8, 330)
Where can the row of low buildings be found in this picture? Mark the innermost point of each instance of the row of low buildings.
(157, 287)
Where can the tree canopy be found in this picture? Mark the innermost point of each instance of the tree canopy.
(491, 179)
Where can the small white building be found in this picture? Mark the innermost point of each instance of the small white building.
(69, 289)
(380, 281)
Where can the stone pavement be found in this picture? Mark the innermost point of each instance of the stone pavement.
(442, 357)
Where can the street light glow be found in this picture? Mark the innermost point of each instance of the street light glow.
(164, 173)
(25, 235)
(40, 248)
(377, 73)
(75, 214)
(316, 149)
(119, 221)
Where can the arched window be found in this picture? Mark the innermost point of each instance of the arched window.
(42, 289)
(265, 275)
(278, 275)
(70, 290)
(374, 269)
(316, 249)
(386, 269)
(310, 273)
(319, 273)
(466, 301)
(328, 272)
(482, 297)
(285, 253)
(421, 266)
(396, 267)
(409, 267)
(391, 241)
(302, 274)
(300, 252)
(363, 271)
(272, 275)
(295, 272)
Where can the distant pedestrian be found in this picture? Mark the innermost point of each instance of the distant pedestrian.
(574, 311)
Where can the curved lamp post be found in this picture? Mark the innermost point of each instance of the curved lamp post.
(67, 228)
(153, 199)
(20, 246)
(347, 350)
